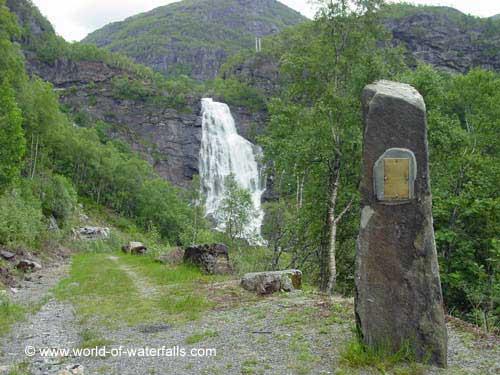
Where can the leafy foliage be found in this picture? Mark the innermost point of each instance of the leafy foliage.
(63, 160)
(464, 117)
(236, 209)
(313, 140)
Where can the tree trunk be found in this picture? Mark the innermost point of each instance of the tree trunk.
(36, 157)
(332, 227)
(333, 222)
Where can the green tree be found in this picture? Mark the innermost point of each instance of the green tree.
(463, 116)
(313, 142)
(12, 142)
(237, 208)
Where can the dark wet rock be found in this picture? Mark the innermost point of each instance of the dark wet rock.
(398, 290)
(272, 281)
(212, 259)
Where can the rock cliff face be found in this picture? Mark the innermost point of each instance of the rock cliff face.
(195, 37)
(446, 38)
(168, 138)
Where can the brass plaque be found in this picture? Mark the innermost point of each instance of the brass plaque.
(396, 181)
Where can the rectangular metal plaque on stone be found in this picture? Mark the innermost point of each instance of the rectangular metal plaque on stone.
(396, 181)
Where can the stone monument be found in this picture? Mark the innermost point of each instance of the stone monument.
(398, 291)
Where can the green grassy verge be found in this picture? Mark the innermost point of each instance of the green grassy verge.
(358, 356)
(9, 314)
(103, 292)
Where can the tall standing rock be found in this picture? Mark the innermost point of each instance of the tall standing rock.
(398, 290)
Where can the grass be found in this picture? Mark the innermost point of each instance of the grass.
(20, 369)
(249, 366)
(104, 293)
(200, 336)
(356, 355)
(299, 317)
(9, 314)
(92, 339)
(161, 274)
(303, 360)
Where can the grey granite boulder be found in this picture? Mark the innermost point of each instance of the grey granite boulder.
(272, 281)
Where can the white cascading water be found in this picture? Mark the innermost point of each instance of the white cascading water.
(224, 152)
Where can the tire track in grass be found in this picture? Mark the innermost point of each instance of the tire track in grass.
(145, 288)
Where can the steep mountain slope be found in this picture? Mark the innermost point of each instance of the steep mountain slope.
(195, 37)
(440, 36)
(444, 37)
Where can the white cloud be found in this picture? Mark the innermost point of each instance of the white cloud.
(74, 19)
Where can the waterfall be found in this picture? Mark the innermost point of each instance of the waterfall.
(224, 152)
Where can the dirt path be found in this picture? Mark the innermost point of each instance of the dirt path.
(50, 324)
(142, 284)
(297, 333)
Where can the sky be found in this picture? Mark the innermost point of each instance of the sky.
(74, 19)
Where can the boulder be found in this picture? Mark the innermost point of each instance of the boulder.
(28, 265)
(7, 255)
(173, 257)
(272, 281)
(134, 247)
(91, 233)
(212, 259)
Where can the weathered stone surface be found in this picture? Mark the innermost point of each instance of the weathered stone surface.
(398, 290)
(446, 38)
(134, 247)
(91, 233)
(212, 259)
(28, 265)
(7, 254)
(173, 257)
(272, 281)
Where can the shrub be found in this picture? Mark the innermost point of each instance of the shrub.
(20, 218)
(58, 197)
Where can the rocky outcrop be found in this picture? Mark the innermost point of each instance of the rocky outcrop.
(272, 281)
(212, 259)
(447, 39)
(91, 233)
(260, 71)
(168, 138)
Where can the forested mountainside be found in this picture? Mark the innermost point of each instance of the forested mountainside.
(195, 37)
(55, 158)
